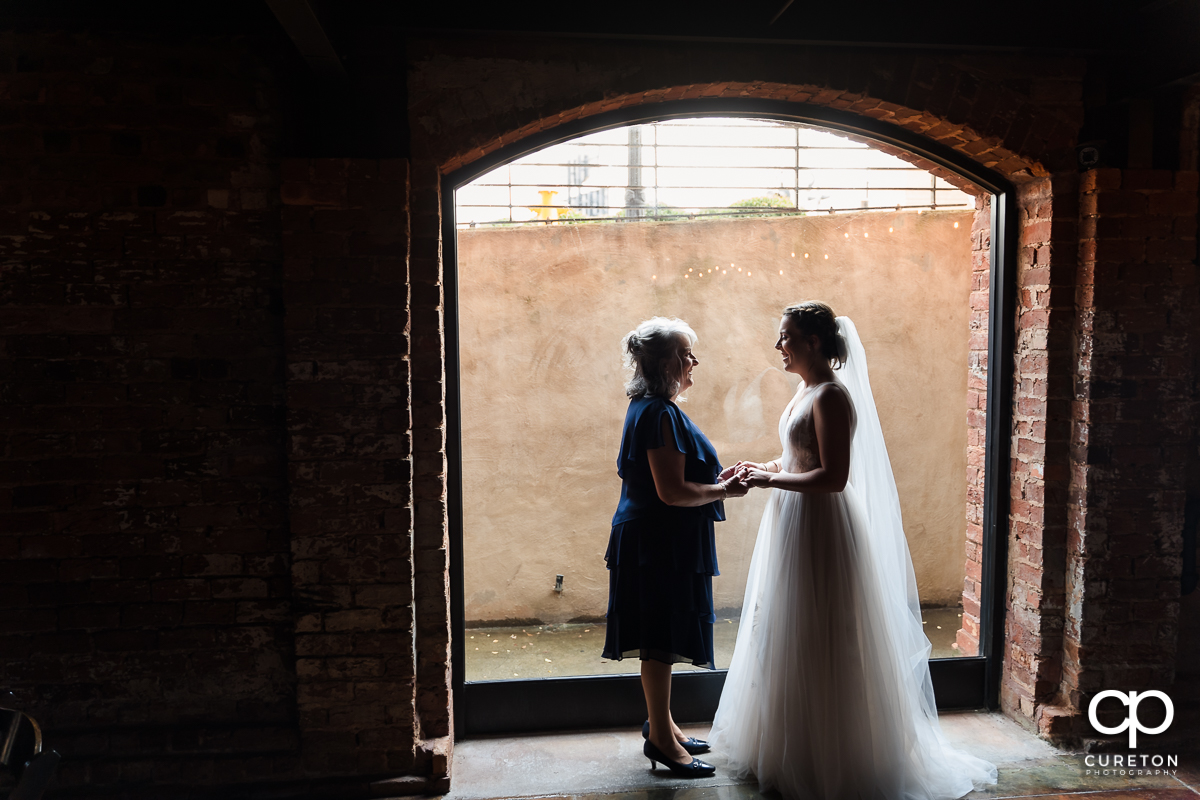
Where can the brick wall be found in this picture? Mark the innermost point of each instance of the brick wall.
(1187, 658)
(345, 270)
(1048, 238)
(143, 509)
(1132, 416)
(1017, 117)
(206, 469)
(968, 635)
(430, 531)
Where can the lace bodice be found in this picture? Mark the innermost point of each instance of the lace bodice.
(797, 432)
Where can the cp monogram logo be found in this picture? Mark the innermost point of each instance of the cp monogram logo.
(1131, 722)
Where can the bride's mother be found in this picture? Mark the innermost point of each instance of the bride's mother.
(662, 552)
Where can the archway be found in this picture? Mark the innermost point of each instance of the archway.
(966, 682)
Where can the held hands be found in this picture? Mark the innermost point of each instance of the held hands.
(745, 475)
(753, 475)
(734, 487)
(729, 472)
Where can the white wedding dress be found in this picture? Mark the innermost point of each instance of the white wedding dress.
(828, 696)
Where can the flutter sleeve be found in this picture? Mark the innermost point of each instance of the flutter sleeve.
(679, 538)
(645, 432)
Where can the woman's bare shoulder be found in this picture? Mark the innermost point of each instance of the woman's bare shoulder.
(832, 397)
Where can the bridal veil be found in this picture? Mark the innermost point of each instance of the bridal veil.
(828, 694)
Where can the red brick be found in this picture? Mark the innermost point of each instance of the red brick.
(1139, 179)
(1178, 204)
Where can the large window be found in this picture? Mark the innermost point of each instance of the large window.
(722, 222)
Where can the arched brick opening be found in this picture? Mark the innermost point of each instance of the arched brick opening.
(973, 129)
(1002, 132)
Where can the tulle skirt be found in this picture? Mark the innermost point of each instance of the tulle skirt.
(824, 698)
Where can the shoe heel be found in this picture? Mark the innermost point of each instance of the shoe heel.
(693, 769)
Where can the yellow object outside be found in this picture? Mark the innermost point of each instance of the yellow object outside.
(544, 211)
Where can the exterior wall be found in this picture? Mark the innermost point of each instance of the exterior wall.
(542, 312)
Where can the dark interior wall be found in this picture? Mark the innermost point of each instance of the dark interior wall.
(144, 549)
(346, 290)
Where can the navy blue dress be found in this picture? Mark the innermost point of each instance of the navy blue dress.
(661, 558)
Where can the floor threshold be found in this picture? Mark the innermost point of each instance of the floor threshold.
(610, 763)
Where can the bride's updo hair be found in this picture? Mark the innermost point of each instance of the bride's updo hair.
(815, 318)
(652, 351)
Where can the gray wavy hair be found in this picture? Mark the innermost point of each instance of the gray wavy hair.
(651, 351)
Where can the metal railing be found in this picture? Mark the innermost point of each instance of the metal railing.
(653, 215)
(815, 177)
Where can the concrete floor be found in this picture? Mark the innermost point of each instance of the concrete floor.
(610, 763)
(542, 651)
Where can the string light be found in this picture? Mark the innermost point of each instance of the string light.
(866, 235)
(780, 272)
(827, 256)
(748, 273)
(956, 224)
(846, 235)
(890, 230)
(793, 255)
(806, 255)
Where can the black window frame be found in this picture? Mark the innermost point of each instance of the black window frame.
(606, 701)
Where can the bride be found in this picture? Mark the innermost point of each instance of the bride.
(828, 694)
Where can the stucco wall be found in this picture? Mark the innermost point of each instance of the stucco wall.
(543, 310)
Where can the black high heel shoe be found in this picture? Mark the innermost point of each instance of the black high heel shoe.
(696, 769)
(694, 747)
